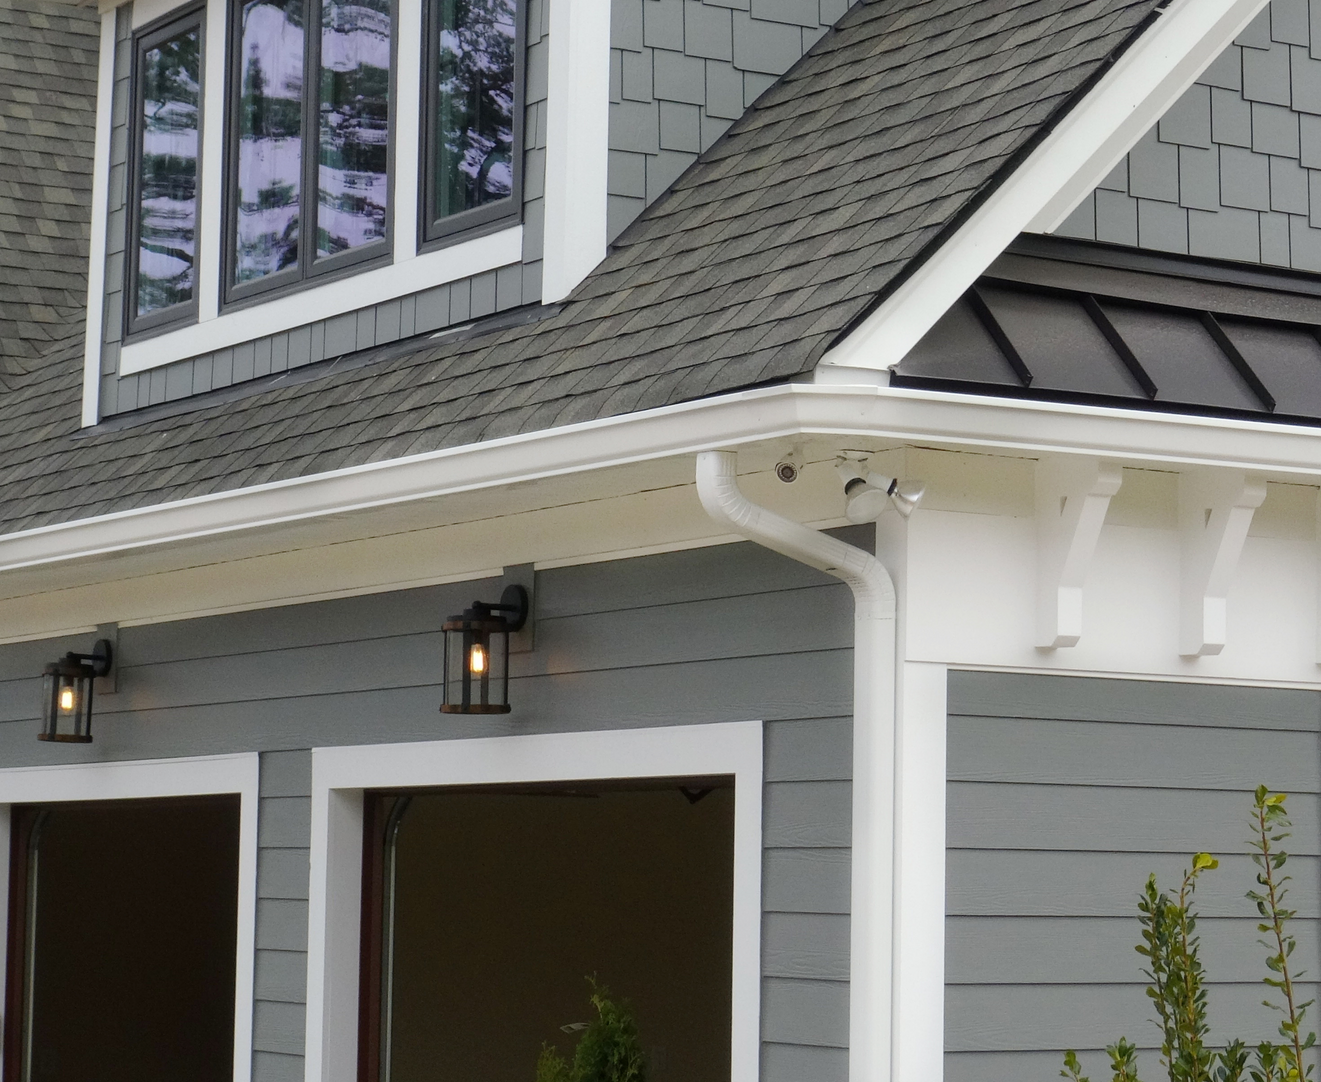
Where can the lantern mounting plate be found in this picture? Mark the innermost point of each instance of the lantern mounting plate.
(514, 605)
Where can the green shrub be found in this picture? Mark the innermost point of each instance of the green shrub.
(609, 1049)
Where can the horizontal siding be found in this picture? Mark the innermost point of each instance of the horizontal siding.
(1064, 795)
(731, 633)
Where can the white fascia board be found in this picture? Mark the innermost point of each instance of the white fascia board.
(877, 414)
(105, 88)
(1070, 162)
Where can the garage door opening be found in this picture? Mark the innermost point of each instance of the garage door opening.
(122, 939)
(486, 910)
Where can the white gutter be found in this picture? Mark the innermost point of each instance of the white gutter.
(877, 415)
(872, 900)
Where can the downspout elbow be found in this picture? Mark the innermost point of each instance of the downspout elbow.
(724, 501)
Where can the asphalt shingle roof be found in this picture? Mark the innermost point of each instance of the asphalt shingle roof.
(833, 186)
(47, 112)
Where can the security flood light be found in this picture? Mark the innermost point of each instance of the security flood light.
(868, 494)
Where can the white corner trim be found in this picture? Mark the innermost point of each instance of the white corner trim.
(577, 148)
(1215, 512)
(339, 776)
(1072, 160)
(92, 335)
(1072, 498)
(919, 873)
(462, 260)
(196, 776)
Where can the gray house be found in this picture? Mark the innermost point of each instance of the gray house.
(786, 511)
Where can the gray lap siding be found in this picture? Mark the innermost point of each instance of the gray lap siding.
(722, 634)
(1064, 794)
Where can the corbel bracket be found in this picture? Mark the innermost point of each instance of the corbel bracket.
(1073, 495)
(1215, 511)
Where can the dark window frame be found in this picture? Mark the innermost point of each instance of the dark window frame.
(436, 233)
(148, 37)
(309, 271)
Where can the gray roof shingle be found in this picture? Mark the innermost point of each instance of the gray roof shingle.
(841, 177)
(47, 105)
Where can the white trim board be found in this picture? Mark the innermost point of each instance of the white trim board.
(870, 413)
(339, 776)
(96, 257)
(1072, 160)
(200, 776)
(577, 153)
(405, 276)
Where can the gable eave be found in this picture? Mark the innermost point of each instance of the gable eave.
(1034, 195)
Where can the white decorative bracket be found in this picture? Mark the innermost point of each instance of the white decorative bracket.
(1215, 512)
(1073, 495)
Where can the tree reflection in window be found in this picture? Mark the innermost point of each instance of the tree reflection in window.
(474, 135)
(270, 138)
(354, 124)
(167, 222)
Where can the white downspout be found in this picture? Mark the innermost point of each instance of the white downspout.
(872, 908)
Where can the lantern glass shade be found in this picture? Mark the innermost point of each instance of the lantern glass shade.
(476, 664)
(476, 675)
(67, 702)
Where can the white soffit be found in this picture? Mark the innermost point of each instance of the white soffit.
(1072, 160)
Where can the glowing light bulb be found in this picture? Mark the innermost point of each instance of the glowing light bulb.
(66, 700)
(477, 658)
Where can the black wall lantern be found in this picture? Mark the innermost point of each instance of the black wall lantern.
(66, 707)
(477, 654)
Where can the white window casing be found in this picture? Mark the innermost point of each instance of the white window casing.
(339, 776)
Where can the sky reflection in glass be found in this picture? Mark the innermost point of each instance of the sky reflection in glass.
(474, 137)
(168, 181)
(270, 138)
(354, 124)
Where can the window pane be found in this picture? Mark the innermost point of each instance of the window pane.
(270, 133)
(355, 123)
(168, 183)
(474, 134)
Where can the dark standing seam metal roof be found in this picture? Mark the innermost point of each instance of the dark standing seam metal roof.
(834, 185)
(1226, 350)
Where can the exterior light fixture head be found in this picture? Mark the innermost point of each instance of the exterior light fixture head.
(66, 701)
(476, 672)
(867, 494)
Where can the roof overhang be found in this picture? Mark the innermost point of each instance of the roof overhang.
(864, 416)
(1074, 157)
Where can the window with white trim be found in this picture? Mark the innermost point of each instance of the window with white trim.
(309, 139)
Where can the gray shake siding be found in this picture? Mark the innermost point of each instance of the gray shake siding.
(451, 304)
(1064, 794)
(1233, 170)
(682, 71)
(720, 634)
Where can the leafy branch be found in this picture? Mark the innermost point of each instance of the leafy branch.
(1176, 979)
(1270, 827)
